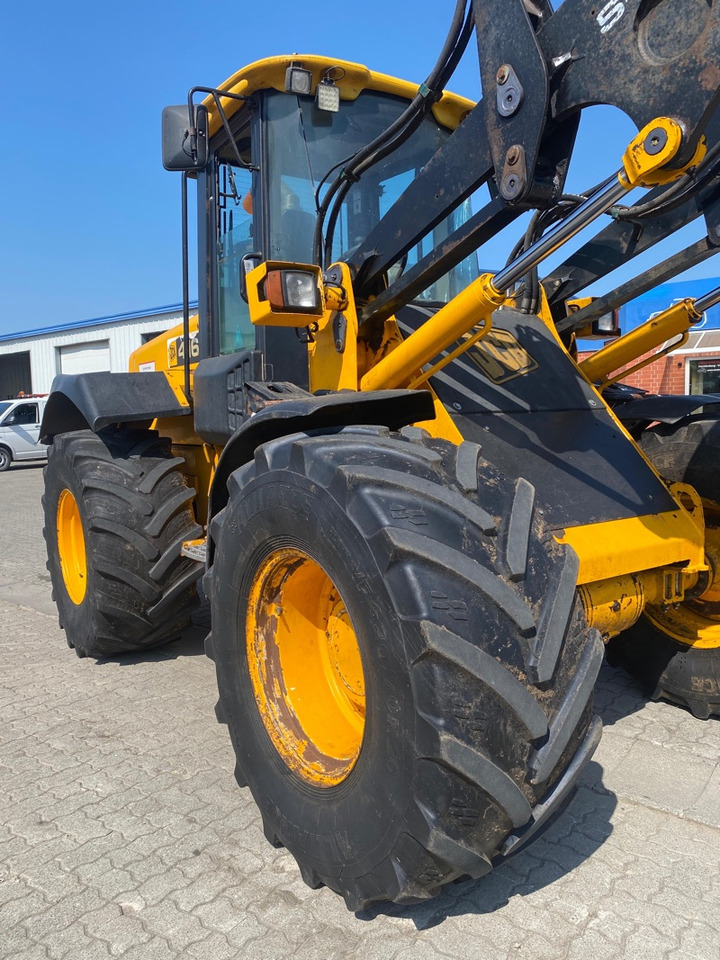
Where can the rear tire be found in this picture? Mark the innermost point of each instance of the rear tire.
(477, 666)
(682, 669)
(117, 511)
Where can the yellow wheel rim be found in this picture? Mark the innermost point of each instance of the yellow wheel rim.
(305, 667)
(71, 547)
(686, 626)
(696, 622)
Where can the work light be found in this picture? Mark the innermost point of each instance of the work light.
(293, 290)
(298, 80)
(608, 324)
(327, 96)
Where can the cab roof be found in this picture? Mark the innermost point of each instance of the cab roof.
(270, 74)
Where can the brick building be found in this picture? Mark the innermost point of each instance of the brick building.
(695, 367)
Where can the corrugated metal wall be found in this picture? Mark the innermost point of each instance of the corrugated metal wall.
(124, 336)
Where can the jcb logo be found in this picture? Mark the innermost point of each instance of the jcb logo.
(500, 357)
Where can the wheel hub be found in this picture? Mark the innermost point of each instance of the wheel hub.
(305, 667)
(71, 547)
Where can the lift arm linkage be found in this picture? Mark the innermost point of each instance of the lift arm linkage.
(645, 162)
(557, 64)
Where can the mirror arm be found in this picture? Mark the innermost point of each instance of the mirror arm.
(216, 95)
(186, 289)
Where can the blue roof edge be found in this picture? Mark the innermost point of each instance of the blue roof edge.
(96, 321)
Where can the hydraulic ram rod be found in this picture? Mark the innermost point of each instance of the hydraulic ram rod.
(709, 300)
(598, 203)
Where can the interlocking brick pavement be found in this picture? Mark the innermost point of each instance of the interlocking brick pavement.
(123, 834)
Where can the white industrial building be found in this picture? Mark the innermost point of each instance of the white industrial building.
(30, 360)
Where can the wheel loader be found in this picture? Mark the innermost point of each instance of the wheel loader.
(418, 517)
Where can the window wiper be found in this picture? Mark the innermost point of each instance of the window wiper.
(233, 189)
(307, 150)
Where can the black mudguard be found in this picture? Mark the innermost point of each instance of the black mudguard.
(387, 408)
(95, 400)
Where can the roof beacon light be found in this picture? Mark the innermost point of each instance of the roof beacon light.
(327, 95)
(298, 80)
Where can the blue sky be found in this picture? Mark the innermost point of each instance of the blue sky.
(90, 220)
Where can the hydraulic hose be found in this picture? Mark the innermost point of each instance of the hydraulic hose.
(400, 129)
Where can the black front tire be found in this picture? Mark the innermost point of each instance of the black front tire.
(136, 511)
(478, 666)
(5, 459)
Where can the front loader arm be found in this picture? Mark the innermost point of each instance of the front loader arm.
(645, 162)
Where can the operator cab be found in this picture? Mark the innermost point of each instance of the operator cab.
(270, 161)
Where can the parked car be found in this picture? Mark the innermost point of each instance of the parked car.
(20, 430)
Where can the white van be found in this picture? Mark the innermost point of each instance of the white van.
(20, 430)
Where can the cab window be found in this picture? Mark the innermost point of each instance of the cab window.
(306, 147)
(234, 239)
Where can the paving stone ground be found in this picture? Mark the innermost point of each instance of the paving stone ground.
(123, 834)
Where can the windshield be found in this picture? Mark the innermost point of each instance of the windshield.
(4, 407)
(304, 143)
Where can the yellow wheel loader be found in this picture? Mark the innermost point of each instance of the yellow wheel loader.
(418, 517)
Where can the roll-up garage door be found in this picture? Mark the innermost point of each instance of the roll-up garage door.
(85, 357)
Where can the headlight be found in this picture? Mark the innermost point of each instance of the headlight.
(293, 290)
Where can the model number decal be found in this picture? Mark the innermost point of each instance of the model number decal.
(610, 14)
(176, 350)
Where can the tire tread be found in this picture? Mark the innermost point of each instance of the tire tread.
(137, 512)
(444, 529)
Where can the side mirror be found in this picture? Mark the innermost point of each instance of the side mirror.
(184, 137)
